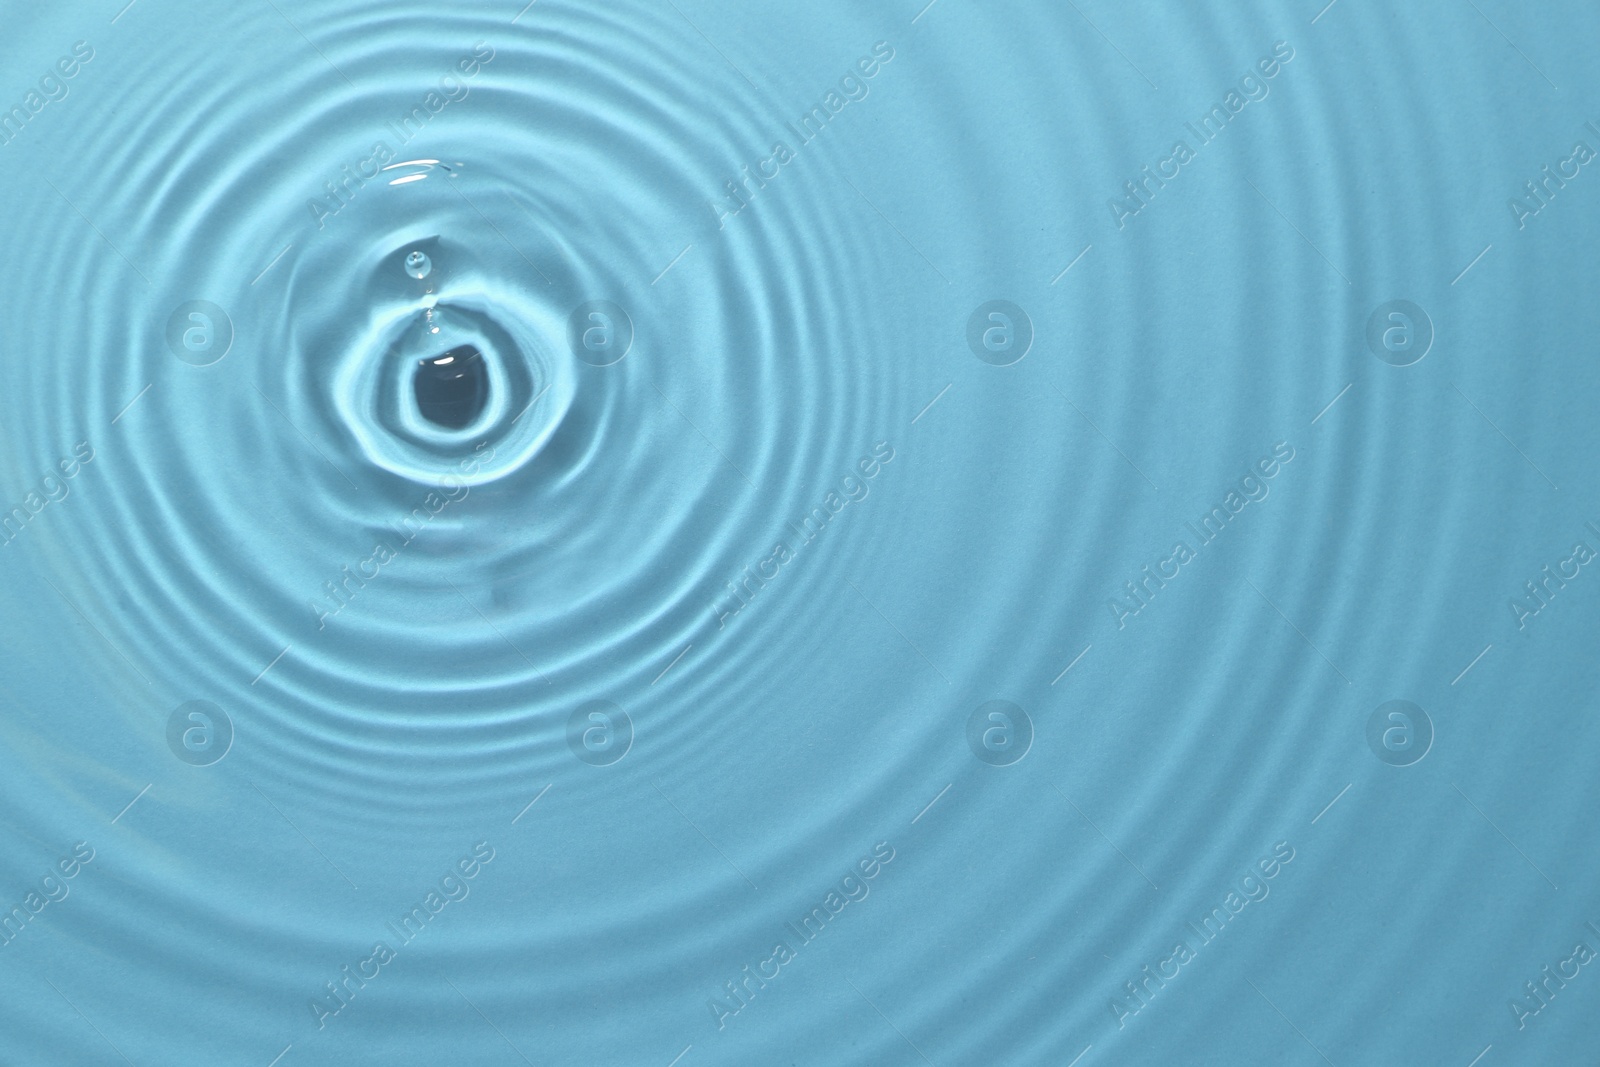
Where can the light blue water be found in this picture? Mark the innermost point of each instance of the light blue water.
(889, 590)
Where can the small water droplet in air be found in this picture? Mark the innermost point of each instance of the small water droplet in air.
(418, 265)
(452, 389)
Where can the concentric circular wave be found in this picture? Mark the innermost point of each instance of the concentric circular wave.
(403, 619)
(596, 506)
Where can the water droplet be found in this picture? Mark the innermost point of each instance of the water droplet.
(452, 389)
(418, 265)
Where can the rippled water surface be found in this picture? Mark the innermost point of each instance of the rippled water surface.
(675, 533)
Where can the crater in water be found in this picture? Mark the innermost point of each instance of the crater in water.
(452, 389)
(453, 362)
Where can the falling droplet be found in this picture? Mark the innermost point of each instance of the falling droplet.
(452, 389)
(418, 265)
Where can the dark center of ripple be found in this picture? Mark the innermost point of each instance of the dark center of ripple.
(453, 389)
(452, 373)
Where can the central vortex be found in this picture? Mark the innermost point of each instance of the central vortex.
(453, 389)
(454, 373)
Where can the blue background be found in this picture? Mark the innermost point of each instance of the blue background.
(764, 752)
